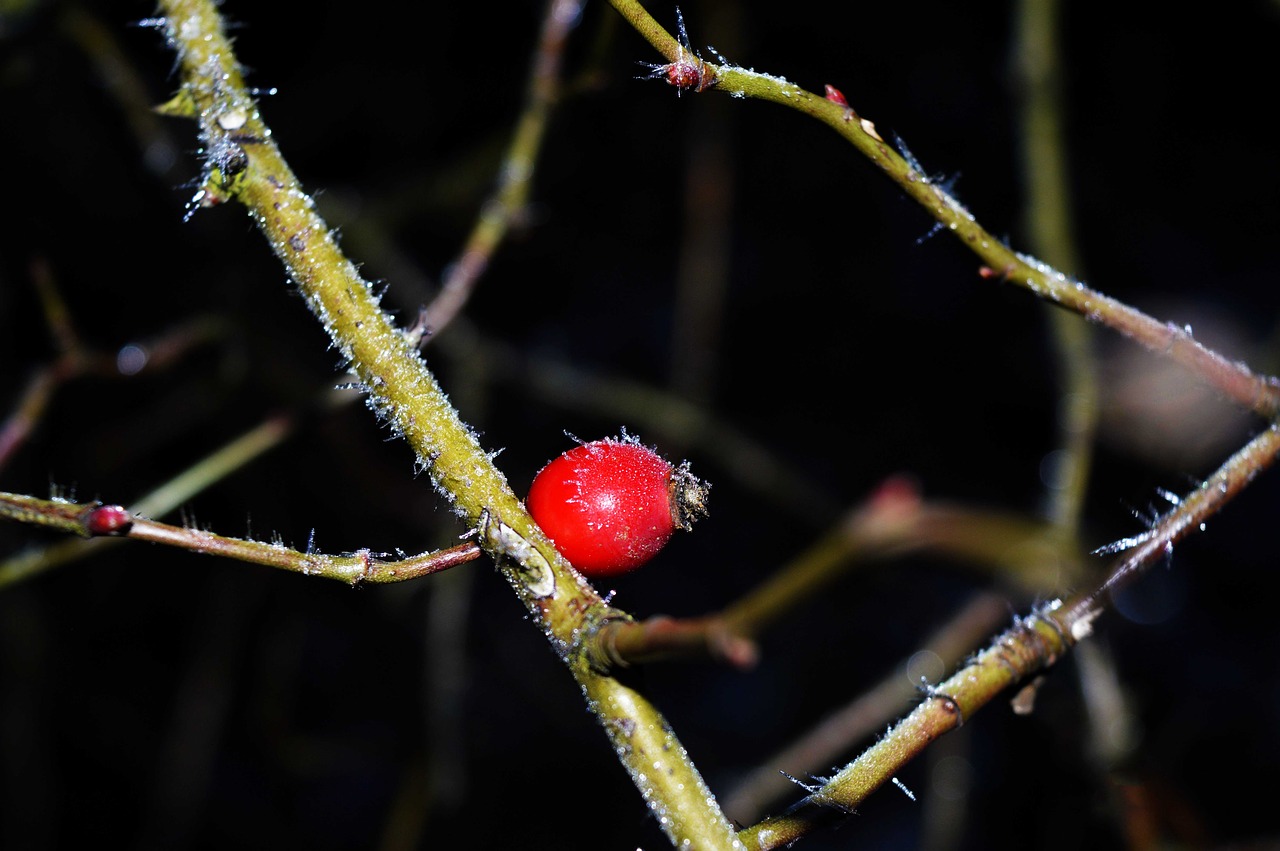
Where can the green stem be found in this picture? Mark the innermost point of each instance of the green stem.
(1232, 379)
(1028, 646)
(1038, 64)
(1186, 517)
(243, 162)
(822, 745)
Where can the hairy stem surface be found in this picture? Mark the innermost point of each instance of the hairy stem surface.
(243, 162)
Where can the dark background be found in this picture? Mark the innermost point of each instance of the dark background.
(154, 698)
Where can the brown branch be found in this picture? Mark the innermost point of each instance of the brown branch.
(622, 643)
(95, 520)
(1034, 556)
(76, 361)
(163, 499)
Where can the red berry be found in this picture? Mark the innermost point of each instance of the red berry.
(610, 505)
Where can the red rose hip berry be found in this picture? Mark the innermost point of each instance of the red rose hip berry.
(610, 505)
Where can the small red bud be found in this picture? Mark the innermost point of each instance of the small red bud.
(108, 520)
(690, 72)
(836, 96)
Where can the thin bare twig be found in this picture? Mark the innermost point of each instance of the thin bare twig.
(1031, 644)
(821, 746)
(1032, 555)
(508, 201)
(1047, 215)
(76, 361)
(160, 501)
(1188, 516)
(95, 520)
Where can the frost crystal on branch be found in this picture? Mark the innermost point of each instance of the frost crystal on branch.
(688, 71)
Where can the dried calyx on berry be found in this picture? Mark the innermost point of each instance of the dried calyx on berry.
(610, 505)
(688, 496)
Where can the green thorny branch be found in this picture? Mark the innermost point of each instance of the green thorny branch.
(1260, 393)
(1233, 379)
(243, 163)
(1030, 645)
(1035, 642)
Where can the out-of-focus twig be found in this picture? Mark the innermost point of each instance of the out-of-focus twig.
(508, 202)
(863, 716)
(1038, 71)
(1032, 555)
(1047, 216)
(118, 74)
(894, 521)
(75, 360)
(650, 410)
(702, 277)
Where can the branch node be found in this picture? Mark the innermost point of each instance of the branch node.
(952, 705)
(102, 520)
